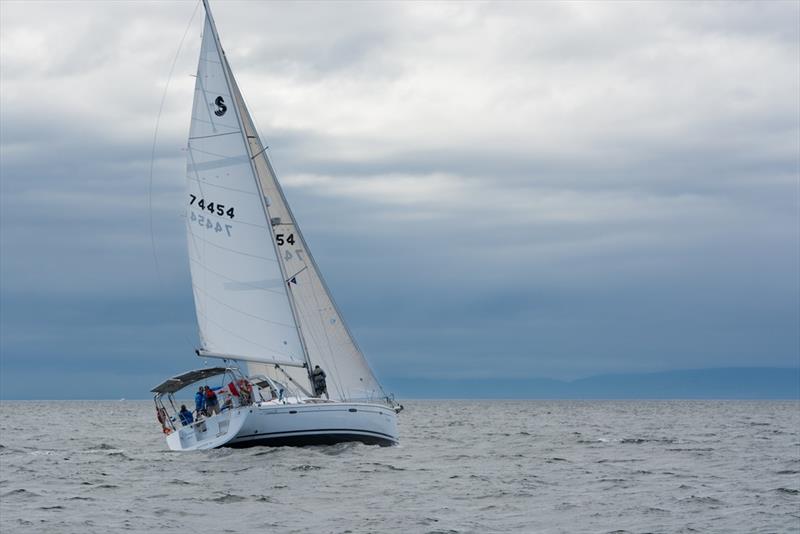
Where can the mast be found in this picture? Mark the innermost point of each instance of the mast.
(239, 112)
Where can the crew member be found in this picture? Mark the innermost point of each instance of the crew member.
(185, 415)
(199, 402)
(245, 392)
(212, 404)
(318, 379)
(163, 418)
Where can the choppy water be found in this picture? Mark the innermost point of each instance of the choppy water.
(463, 466)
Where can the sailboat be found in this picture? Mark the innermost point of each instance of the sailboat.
(290, 370)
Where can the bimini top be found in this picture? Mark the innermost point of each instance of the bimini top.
(176, 383)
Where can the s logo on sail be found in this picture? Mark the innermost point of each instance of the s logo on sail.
(222, 108)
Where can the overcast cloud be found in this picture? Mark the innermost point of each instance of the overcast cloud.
(491, 189)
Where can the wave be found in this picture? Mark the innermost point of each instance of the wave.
(647, 440)
(227, 498)
(711, 501)
(305, 467)
(21, 492)
(103, 447)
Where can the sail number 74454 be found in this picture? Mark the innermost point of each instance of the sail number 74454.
(217, 209)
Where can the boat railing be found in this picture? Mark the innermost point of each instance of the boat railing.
(236, 391)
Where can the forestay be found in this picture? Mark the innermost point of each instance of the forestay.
(327, 338)
(241, 298)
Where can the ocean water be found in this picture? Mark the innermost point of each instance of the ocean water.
(462, 466)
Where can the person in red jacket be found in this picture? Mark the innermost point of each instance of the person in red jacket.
(212, 404)
(245, 392)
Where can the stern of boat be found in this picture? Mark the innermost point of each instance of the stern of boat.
(208, 433)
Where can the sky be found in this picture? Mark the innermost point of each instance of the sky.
(492, 190)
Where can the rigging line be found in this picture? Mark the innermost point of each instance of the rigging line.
(207, 242)
(232, 222)
(193, 166)
(203, 90)
(212, 135)
(258, 133)
(213, 124)
(328, 343)
(210, 61)
(259, 152)
(323, 349)
(292, 380)
(250, 341)
(202, 182)
(233, 308)
(222, 156)
(248, 284)
(295, 274)
(153, 153)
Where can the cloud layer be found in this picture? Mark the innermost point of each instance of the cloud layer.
(492, 189)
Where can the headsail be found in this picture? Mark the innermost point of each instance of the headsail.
(242, 302)
(328, 340)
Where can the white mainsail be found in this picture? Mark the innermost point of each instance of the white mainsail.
(241, 299)
(261, 290)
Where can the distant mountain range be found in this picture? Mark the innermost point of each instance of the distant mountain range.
(727, 383)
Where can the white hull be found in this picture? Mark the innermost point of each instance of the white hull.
(276, 424)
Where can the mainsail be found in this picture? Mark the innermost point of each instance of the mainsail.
(261, 290)
(242, 302)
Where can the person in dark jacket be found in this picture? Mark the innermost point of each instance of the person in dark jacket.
(318, 378)
(185, 415)
(200, 402)
(212, 404)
